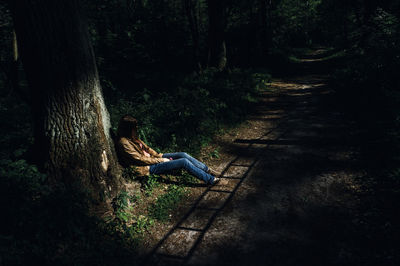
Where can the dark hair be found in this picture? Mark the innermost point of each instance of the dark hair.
(126, 125)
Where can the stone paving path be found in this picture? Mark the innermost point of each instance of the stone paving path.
(283, 191)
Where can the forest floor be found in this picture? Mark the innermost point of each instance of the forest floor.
(289, 190)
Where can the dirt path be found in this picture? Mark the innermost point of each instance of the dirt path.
(289, 176)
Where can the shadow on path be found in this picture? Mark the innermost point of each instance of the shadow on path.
(196, 222)
(286, 196)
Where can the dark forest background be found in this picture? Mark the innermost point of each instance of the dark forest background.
(189, 70)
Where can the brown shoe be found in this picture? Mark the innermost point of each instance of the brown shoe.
(213, 172)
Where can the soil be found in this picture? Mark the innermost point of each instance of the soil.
(288, 193)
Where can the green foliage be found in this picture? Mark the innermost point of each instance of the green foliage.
(165, 204)
(141, 225)
(294, 22)
(395, 176)
(371, 71)
(187, 115)
(185, 178)
(150, 183)
(122, 207)
(214, 154)
(130, 227)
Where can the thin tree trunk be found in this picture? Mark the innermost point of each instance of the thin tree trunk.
(72, 125)
(269, 6)
(262, 27)
(190, 11)
(11, 70)
(216, 34)
(14, 70)
(369, 8)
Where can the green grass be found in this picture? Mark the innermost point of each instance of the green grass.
(150, 183)
(214, 154)
(162, 208)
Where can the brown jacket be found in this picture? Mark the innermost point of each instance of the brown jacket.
(130, 154)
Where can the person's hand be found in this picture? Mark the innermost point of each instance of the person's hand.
(165, 160)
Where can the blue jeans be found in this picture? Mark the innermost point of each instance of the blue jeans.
(182, 160)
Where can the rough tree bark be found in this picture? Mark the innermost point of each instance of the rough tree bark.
(72, 125)
(216, 34)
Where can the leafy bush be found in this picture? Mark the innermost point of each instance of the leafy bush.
(186, 116)
(370, 76)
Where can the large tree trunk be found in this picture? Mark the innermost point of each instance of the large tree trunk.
(72, 125)
(216, 34)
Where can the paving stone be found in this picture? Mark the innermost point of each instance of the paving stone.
(236, 171)
(198, 219)
(213, 200)
(179, 242)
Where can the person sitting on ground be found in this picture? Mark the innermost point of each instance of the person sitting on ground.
(134, 152)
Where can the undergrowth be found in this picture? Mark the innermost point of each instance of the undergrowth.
(162, 208)
(44, 225)
(186, 116)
